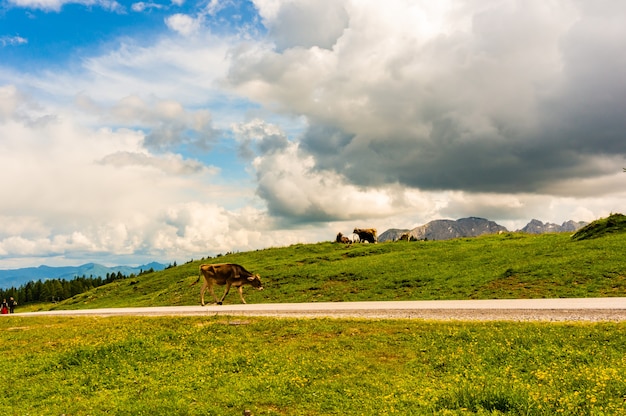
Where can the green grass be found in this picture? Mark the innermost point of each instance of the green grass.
(221, 366)
(511, 265)
(614, 223)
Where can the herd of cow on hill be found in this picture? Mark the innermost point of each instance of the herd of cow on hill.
(368, 235)
(235, 275)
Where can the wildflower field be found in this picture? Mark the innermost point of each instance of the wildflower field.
(222, 366)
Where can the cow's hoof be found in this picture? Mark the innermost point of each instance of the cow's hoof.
(219, 303)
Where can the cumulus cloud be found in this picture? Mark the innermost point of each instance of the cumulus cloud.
(167, 122)
(184, 24)
(304, 23)
(92, 190)
(258, 136)
(106, 145)
(496, 97)
(296, 192)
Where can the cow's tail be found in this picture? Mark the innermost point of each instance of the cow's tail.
(199, 276)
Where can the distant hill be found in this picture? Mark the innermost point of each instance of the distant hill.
(18, 277)
(392, 234)
(538, 227)
(615, 223)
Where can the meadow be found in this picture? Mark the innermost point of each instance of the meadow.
(224, 365)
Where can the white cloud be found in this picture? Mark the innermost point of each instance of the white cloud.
(187, 69)
(12, 40)
(56, 5)
(143, 6)
(256, 130)
(171, 164)
(293, 189)
(41, 4)
(304, 23)
(138, 7)
(183, 24)
(167, 122)
(74, 190)
(9, 100)
(214, 6)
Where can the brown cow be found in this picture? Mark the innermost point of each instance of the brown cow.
(342, 239)
(229, 275)
(367, 234)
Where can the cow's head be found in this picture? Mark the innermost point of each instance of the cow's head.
(255, 282)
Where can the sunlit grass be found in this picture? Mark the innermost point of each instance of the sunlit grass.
(506, 266)
(222, 365)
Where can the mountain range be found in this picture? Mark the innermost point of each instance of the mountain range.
(473, 227)
(538, 227)
(18, 277)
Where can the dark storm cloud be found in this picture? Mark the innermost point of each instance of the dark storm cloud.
(444, 161)
(557, 126)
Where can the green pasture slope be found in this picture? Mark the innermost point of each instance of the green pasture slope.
(511, 265)
(273, 366)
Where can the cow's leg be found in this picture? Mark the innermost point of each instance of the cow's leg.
(204, 286)
(225, 293)
(213, 293)
(240, 289)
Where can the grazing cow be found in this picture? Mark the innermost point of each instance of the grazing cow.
(343, 239)
(366, 234)
(405, 237)
(229, 275)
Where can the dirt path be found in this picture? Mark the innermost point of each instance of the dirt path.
(587, 309)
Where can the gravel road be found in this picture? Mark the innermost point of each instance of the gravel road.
(580, 309)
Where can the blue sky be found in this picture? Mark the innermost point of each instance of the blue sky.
(57, 37)
(140, 131)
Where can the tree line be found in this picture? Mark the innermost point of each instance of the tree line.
(55, 290)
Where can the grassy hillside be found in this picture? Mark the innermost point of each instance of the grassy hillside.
(614, 223)
(511, 265)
